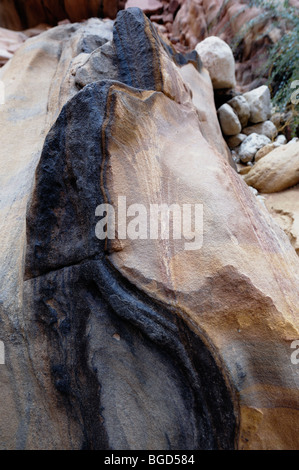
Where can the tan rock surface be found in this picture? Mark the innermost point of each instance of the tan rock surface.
(202, 93)
(198, 19)
(276, 171)
(218, 58)
(236, 298)
(135, 343)
(265, 150)
(284, 207)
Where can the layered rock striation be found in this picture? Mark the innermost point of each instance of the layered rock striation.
(135, 343)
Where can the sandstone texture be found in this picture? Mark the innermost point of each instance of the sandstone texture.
(265, 150)
(284, 207)
(266, 128)
(136, 343)
(10, 41)
(276, 171)
(23, 14)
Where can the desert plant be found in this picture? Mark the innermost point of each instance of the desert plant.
(282, 62)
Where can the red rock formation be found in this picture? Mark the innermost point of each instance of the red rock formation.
(187, 22)
(22, 14)
(10, 41)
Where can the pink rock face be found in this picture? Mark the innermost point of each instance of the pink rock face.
(10, 41)
(198, 19)
(148, 6)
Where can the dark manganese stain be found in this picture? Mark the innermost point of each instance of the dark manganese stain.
(159, 369)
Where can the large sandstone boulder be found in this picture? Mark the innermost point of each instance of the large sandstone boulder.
(218, 58)
(265, 150)
(134, 343)
(277, 171)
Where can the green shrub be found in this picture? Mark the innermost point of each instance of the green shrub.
(282, 62)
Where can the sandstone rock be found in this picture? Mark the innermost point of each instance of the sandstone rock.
(197, 18)
(10, 41)
(149, 7)
(259, 101)
(218, 58)
(99, 65)
(241, 108)
(266, 128)
(243, 170)
(190, 25)
(174, 6)
(265, 150)
(284, 207)
(202, 93)
(21, 14)
(134, 343)
(229, 121)
(236, 140)
(277, 171)
(251, 145)
(38, 82)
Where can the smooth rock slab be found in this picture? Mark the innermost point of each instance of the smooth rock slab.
(284, 207)
(218, 58)
(23, 14)
(277, 171)
(265, 150)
